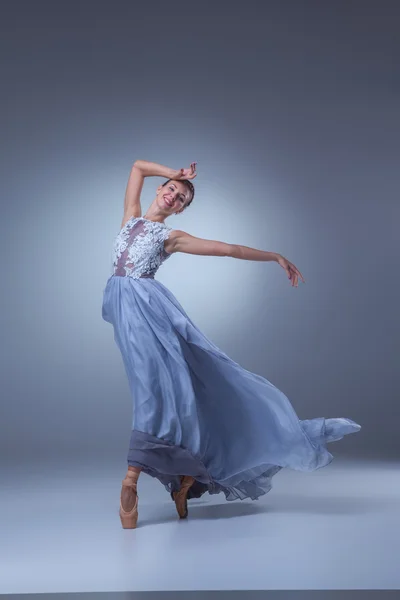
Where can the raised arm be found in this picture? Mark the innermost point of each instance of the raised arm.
(132, 206)
(180, 241)
(140, 170)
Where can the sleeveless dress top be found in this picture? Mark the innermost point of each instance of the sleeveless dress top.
(139, 248)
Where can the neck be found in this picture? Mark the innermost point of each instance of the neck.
(154, 215)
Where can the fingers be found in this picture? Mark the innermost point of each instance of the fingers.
(293, 275)
(298, 274)
(292, 272)
(189, 173)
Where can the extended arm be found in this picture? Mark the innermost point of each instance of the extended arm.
(180, 241)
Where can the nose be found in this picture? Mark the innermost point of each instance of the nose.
(172, 197)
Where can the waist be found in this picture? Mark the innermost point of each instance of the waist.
(143, 276)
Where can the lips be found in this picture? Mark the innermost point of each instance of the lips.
(168, 202)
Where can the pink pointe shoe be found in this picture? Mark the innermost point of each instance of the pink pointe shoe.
(129, 518)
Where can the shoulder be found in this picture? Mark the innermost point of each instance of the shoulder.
(174, 236)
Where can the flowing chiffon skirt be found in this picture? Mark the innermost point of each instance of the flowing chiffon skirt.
(196, 411)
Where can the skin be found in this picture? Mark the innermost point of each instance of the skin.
(172, 199)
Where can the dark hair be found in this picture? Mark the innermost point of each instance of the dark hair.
(188, 184)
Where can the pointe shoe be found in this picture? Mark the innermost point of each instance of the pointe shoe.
(180, 498)
(129, 518)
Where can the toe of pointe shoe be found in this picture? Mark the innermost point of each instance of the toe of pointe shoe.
(181, 504)
(129, 518)
(180, 496)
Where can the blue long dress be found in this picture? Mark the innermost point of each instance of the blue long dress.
(196, 411)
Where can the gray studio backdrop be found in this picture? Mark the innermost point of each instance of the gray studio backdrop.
(292, 111)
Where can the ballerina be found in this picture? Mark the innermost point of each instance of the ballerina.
(201, 422)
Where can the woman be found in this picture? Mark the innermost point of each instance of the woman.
(201, 422)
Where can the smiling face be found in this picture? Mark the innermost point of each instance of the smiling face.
(173, 197)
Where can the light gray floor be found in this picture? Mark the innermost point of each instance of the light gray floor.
(337, 527)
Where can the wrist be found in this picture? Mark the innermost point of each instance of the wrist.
(173, 173)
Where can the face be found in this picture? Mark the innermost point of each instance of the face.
(173, 197)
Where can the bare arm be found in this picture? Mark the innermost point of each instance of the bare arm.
(180, 241)
(152, 169)
(132, 206)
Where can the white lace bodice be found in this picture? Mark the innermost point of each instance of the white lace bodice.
(139, 248)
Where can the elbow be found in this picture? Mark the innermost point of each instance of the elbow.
(138, 164)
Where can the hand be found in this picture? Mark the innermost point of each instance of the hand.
(292, 271)
(189, 173)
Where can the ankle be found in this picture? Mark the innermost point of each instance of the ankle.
(134, 469)
(131, 477)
